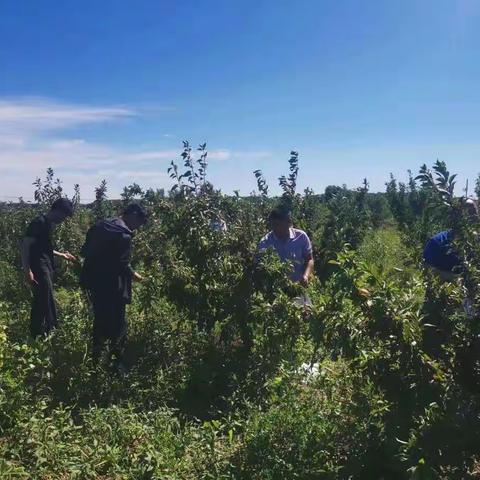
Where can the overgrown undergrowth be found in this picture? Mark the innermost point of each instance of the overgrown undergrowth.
(230, 378)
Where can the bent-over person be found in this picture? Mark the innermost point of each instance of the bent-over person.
(107, 276)
(439, 253)
(441, 257)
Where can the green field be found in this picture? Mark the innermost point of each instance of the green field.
(230, 379)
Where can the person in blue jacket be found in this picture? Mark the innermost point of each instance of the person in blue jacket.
(439, 253)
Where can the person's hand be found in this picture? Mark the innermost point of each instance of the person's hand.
(137, 277)
(30, 278)
(68, 256)
(364, 292)
(305, 280)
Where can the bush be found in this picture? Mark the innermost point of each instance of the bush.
(230, 377)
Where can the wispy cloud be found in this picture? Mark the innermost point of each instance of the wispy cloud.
(30, 128)
(220, 155)
(149, 156)
(226, 154)
(23, 117)
(32, 138)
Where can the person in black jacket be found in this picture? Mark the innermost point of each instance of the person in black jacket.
(38, 265)
(107, 277)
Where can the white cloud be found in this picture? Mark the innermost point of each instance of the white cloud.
(219, 155)
(32, 138)
(11, 141)
(24, 117)
(252, 155)
(225, 154)
(151, 155)
(79, 161)
(31, 141)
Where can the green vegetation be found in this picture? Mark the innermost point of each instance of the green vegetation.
(230, 379)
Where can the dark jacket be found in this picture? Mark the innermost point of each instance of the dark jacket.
(41, 250)
(106, 270)
(439, 253)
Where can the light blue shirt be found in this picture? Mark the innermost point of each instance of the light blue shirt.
(296, 248)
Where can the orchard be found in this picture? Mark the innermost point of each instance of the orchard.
(230, 378)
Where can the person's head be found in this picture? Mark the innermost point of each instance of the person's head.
(134, 216)
(471, 208)
(61, 209)
(280, 222)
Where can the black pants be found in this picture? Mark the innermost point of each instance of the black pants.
(43, 316)
(109, 324)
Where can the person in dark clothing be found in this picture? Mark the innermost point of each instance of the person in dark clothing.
(441, 257)
(107, 277)
(38, 265)
(439, 253)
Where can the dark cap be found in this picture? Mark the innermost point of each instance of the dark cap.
(135, 209)
(64, 205)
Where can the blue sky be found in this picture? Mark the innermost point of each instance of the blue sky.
(360, 88)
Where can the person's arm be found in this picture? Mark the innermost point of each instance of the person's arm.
(308, 265)
(137, 277)
(125, 254)
(261, 249)
(66, 256)
(307, 273)
(26, 246)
